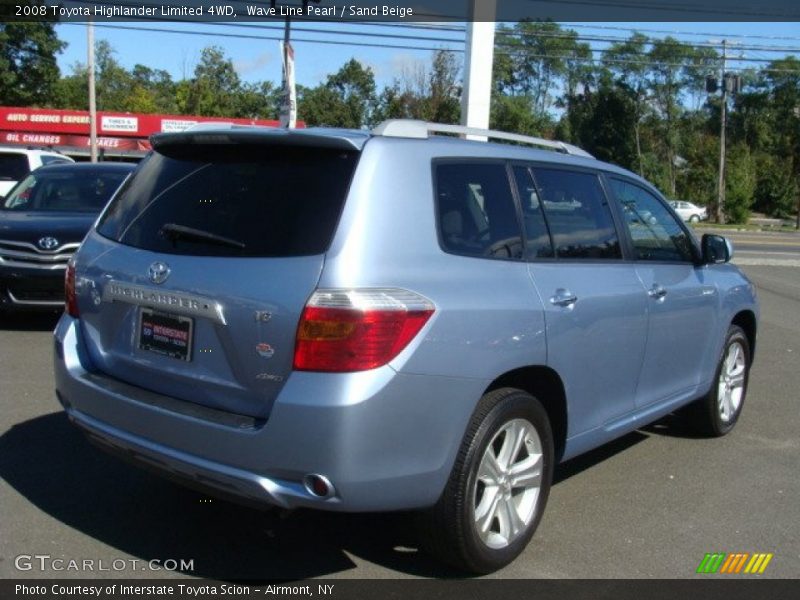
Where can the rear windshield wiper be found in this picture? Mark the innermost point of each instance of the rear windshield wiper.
(174, 232)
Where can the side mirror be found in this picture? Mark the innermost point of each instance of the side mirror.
(716, 249)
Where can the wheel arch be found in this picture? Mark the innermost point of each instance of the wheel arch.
(546, 386)
(746, 319)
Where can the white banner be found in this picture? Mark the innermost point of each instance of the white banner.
(288, 116)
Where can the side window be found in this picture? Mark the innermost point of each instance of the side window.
(578, 214)
(538, 237)
(655, 233)
(476, 211)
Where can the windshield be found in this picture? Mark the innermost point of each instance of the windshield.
(58, 191)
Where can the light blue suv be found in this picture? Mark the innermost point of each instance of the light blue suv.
(393, 320)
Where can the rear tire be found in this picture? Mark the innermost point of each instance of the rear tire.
(716, 414)
(498, 487)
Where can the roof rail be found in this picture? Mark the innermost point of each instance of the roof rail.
(410, 128)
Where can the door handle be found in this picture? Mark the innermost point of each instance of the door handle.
(657, 291)
(563, 297)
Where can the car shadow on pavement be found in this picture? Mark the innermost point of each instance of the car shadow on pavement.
(23, 321)
(676, 425)
(51, 464)
(580, 463)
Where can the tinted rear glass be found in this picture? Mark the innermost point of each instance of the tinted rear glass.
(79, 190)
(233, 200)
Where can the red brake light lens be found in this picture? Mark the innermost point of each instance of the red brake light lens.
(70, 298)
(357, 330)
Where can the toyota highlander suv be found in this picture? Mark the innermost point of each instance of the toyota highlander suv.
(394, 320)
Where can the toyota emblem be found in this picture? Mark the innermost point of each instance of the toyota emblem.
(48, 243)
(158, 272)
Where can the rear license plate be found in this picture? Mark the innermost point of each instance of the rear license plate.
(166, 334)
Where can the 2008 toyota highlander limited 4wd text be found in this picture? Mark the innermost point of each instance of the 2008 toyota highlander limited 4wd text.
(394, 320)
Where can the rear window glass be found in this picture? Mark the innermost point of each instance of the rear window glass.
(13, 166)
(233, 200)
(578, 214)
(79, 191)
(477, 216)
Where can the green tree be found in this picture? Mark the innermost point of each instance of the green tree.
(776, 187)
(429, 94)
(740, 183)
(29, 73)
(214, 89)
(668, 58)
(346, 99)
(626, 61)
(601, 123)
(517, 115)
(259, 101)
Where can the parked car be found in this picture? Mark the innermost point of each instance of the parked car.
(42, 222)
(17, 162)
(393, 320)
(688, 211)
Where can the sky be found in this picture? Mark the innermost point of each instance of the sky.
(259, 59)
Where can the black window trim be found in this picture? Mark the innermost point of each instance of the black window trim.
(696, 257)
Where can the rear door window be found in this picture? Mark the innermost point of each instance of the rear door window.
(233, 200)
(476, 210)
(577, 213)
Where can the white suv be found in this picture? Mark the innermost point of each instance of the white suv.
(688, 211)
(16, 163)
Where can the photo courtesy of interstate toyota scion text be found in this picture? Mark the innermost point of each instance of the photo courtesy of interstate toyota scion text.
(394, 320)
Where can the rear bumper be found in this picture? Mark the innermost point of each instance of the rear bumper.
(386, 441)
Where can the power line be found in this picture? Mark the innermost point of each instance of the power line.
(503, 49)
(693, 33)
(673, 7)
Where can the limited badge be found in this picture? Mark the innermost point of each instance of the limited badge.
(265, 350)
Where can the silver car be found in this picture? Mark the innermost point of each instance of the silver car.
(394, 320)
(688, 211)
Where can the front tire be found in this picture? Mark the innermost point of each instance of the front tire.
(498, 487)
(694, 219)
(717, 413)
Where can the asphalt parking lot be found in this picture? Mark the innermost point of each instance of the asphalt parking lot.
(648, 505)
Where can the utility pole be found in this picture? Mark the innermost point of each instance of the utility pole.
(92, 97)
(720, 216)
(288, 116)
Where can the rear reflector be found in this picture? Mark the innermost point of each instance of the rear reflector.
(70, 299)
(357, 330)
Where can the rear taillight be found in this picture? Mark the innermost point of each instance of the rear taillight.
(357, 330)
(70, 299)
